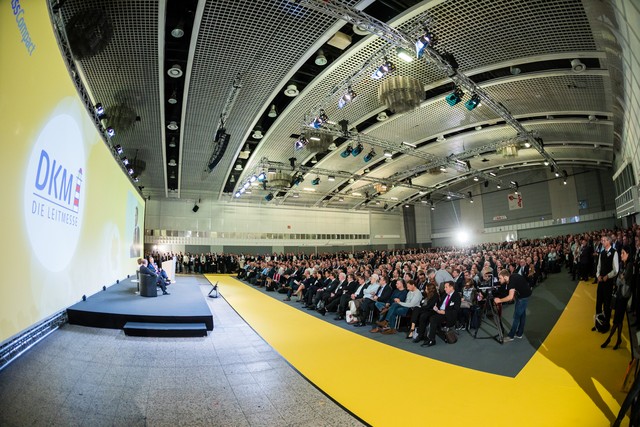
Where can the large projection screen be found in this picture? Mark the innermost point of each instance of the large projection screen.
(71, 219)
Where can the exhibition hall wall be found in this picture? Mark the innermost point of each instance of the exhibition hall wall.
(72, 220)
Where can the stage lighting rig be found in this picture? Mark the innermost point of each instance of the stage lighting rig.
(300, 143)
(473, 102)
(369, 156)
(320, 120)
(348, 96)
(454, 97)
(386, 68)
(357, 150)
(427, 39)
(347, 151)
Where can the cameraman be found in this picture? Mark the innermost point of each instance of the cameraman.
(518, 288)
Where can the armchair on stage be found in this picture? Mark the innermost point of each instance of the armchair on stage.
(148, 285)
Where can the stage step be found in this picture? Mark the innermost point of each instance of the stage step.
(145, 329)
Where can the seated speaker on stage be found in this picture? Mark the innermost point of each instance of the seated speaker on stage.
(146, 268)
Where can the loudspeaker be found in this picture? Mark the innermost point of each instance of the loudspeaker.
(195, 208)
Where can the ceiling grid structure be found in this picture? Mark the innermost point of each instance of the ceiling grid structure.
(519, 52)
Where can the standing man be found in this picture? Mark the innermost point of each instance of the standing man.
(519, 289)
(606, 273)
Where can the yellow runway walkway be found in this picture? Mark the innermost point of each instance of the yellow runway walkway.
(570, 381)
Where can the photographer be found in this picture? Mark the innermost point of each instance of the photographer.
(518, 289)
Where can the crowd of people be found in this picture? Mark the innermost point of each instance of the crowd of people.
(441, 289)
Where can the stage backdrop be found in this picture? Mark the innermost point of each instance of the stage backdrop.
(71, 219)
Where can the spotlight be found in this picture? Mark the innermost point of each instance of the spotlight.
(433, 207)
(473, 102)
(470, 197)
(262, 176)
(296, 180)
(130, 171)
(369, 156)
(269, 197)
(383, 70)
(99, 110)
(173, 99)
(347, 151)
(527, 144)
(314, 160)
(291, 91)
(257, 133)
(253, 178)
(272, 112)
(175, 71)
(111, 132)
(348, 96)
(125, 161)
(404, 54)
(454, 97)
(119, 149)
(388, 154)
(498, 186)
(238, 194)
(357, 150)
(546, 163)
(300, 143)
(320, 120)
(320, 58)
(316, 181)
(178, 31)
(427, 39)
(476, 179)
(331, 178)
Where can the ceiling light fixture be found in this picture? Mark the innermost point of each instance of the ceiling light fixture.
(404, 54)
(382, 116)
(386, 68)
(473, 102)
(172, 162)
(257, 133)
(347, 151)
(357, 150)
(273, 113)
(178, 31)
(425, 40)
(369, 156)
(291, 91)
(320, 58)
(119, 149)
(320, 120)
(173, 99)
(300, 143)
(348, 96)
(314, 160)
(175, 71)
(454, 97)
(577, 66)
(173, 125)
(331, 178)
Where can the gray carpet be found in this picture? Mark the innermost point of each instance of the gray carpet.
(483, 353)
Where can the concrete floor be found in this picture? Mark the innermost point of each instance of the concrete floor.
(94, 377)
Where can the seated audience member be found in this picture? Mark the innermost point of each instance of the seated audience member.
(356, 296)
(400, 292)
(323, 295)
(420, 315)
(299, 286)
(311, 290)
(467, 315)
(399, 308)
(382, 295)
(352, 288)
(368, 293)
(445, 312)
(144, 269)
(333, 300)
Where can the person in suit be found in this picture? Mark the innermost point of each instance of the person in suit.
(145, 269)
(334, 290)
(445, 311)
(343, 301)
(420, 315)
(382, 295)
(606, 273)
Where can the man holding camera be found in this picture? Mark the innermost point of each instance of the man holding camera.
(518, 288)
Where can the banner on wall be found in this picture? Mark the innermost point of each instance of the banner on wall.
(515, 201)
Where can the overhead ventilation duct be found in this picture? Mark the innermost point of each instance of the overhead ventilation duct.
(401, 93)
(89, 32)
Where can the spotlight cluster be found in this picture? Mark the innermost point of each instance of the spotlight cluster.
(245, 188)
(320, 120)
(348, 96)
(386, 68)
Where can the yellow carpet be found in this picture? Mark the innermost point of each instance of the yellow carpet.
(570, 381)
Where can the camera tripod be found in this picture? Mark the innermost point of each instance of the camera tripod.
(489, 314)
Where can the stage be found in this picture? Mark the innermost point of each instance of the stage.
(120, 304)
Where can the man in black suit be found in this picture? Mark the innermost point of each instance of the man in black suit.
(323, 294)
(144, 269)
(333, 294)
(382, 295)
(341, 303)
(446, 311)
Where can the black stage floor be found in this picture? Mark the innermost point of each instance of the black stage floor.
(120, 304)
